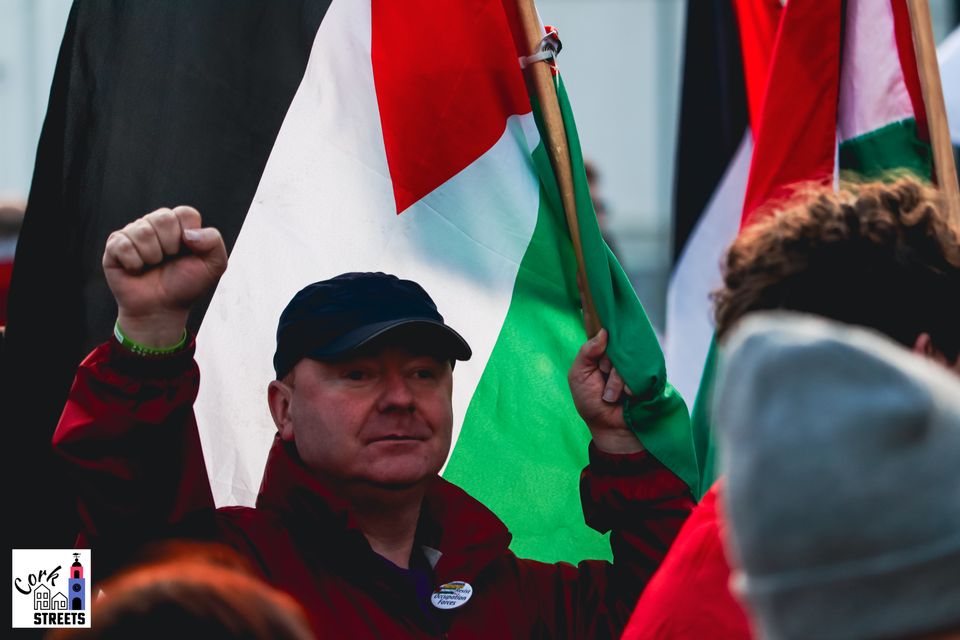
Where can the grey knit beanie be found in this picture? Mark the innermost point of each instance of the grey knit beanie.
(841, 451)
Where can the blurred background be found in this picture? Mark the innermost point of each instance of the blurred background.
(621, 60)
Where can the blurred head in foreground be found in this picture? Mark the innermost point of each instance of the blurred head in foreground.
(842, 496)
(880, 255)
(191, 597)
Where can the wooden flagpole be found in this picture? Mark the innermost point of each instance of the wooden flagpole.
(929, 69)
(540, 82)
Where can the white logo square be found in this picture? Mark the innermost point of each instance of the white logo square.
(51, 588)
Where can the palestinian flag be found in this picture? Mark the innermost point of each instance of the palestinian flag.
(882, 122)
(842, 83)
(727, 54)
(321, 138)
(726, 62)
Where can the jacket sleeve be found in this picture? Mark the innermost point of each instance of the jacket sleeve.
(129, 438)
(643, 505)
(689, 597)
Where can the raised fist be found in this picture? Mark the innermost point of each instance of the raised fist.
(157, 267)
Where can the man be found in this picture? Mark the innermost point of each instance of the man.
(352, 518)
(879, 255)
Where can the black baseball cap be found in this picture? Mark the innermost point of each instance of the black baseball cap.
(332, 318)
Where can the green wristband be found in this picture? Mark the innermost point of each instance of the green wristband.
(144, 350)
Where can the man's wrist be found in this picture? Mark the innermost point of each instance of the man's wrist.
(614, 442)
(156, 334)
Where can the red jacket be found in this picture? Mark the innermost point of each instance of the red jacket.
(130, 438)
(689, 596)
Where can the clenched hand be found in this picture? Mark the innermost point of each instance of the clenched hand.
(157, 267)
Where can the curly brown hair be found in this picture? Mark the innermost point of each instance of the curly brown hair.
(878, 254)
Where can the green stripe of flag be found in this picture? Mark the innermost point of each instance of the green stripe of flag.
(893, 146)
(521, 420)
(704, 442)
(657, 414)
(537, 439)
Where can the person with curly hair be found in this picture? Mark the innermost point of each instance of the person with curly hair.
(882, 255)
(877, 255)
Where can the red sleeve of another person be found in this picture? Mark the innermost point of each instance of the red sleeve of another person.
(689, 596)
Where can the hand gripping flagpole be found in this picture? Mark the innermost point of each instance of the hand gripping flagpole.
(929, 70)
(537, 65)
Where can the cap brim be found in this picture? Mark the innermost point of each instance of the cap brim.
(426, 333)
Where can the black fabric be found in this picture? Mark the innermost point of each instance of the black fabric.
(713, 115)
(154, 103)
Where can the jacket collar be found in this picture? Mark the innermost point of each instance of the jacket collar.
(467, 534)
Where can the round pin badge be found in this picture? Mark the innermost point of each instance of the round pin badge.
(451, 595)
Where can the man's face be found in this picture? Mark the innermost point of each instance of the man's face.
(384, 419)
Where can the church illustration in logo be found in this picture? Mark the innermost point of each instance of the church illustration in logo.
(45, 600)
(77, 585)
